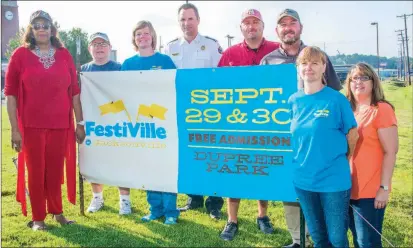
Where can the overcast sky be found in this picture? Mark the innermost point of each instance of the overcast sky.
(342, 26)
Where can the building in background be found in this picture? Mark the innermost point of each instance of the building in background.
(9, 24)
(114, 55)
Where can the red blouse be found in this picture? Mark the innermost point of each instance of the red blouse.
(44, 100)
(47, 93)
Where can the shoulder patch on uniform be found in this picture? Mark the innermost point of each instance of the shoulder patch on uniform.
(211, 38)
(220, 50)
(173, 40)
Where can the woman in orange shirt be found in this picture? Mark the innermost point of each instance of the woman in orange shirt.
(374, 158)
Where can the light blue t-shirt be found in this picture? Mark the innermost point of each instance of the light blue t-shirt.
(319, 125)
(109, 66)
(157, 61)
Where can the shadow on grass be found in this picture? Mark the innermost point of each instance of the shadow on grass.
(188, 233)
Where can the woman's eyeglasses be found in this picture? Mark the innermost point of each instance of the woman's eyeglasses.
(361, 79)
(38, 26)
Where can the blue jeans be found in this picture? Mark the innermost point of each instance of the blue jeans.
(162, 204)
(326, 214)
(363, 234)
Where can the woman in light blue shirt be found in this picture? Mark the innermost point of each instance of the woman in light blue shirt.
(144, 41)
(324, 135)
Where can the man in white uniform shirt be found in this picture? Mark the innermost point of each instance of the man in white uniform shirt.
(193, 50)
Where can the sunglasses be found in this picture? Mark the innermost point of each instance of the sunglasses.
(38, 26)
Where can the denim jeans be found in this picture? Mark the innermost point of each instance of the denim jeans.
(162, 204)
(363, 234)
(326, 214)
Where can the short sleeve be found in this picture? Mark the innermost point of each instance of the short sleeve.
(11, 87)
(73, 73)
(169, 64)
(216, 54)
(385, 116)
(124, 66)
(264, 60)
(223, 61)
(347, 115)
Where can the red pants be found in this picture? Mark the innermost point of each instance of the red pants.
(45, 150)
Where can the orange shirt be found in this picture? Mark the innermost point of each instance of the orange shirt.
(367, 160)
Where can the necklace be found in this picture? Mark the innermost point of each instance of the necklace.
(47, 59)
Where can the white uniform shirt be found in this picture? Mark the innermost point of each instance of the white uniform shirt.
(202, 52)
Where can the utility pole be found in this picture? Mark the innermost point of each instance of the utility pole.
(399, 71)
(404, 63)
(160, 44)
(378, 56)
(229, 37)
(407, 46)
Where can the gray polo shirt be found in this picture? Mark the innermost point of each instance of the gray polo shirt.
(279, 56)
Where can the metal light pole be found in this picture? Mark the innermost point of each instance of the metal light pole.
(378, 56)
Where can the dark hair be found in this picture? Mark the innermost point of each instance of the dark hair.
(189, 6)
(377, 93)
(28, 40)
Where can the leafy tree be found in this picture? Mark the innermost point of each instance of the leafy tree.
(69, 40)
(14, 43)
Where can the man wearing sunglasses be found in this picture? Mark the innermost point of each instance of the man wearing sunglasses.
(99, 48)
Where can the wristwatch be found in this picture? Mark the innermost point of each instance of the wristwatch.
(385, 187)
(82, 123)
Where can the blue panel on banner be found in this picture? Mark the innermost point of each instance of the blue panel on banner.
(233, 126)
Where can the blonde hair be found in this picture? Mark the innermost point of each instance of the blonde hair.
(144, 24)
(310, 54)
(377, 94)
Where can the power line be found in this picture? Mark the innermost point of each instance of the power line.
(407, 46)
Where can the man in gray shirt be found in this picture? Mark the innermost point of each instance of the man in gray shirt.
(289, 28)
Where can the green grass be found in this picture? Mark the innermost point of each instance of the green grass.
(195, 228)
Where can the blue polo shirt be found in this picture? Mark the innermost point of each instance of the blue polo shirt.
(109, 66)
(319, 125)
(157, 61)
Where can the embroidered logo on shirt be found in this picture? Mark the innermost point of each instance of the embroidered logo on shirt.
(202, 48)
(322, 113)
(175, 54)
(154, 67)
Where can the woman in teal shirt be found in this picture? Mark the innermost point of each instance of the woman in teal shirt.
(144, 41)
(324, 135)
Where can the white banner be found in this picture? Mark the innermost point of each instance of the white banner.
(131, 129)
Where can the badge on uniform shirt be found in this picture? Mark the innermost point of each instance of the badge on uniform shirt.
(220, 50)
(175, 54)
(202, 48)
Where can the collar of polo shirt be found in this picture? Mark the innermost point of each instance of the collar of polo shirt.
(245, 45)
(196, 40)
(282, 51)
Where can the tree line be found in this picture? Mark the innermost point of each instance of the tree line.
(342, 59)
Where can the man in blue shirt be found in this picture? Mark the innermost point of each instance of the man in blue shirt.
(99, 48)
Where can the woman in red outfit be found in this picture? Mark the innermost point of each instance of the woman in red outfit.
(42, 92)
